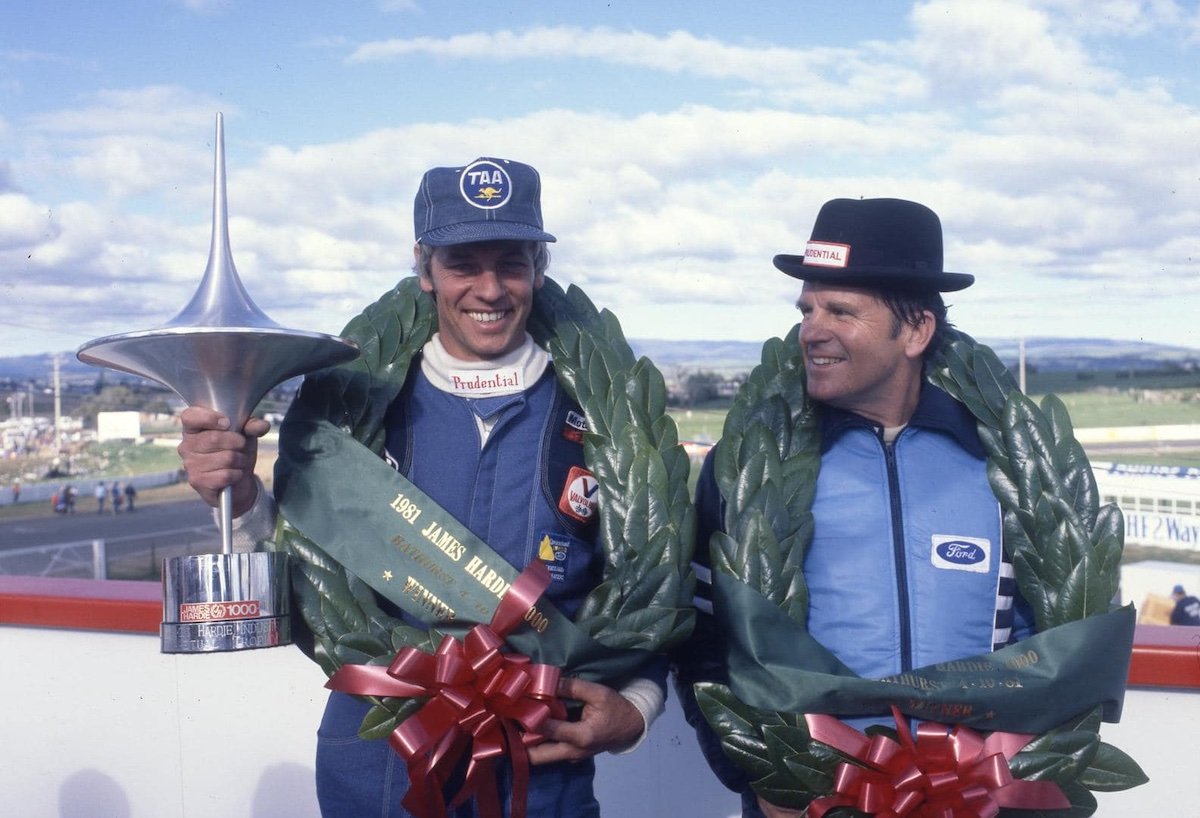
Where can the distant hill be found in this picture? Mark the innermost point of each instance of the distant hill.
(41, 367)
(1044, 354)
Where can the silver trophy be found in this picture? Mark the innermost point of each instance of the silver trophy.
(222, 352)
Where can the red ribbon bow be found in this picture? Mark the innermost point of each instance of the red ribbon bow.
(945, 773)
(478, 697)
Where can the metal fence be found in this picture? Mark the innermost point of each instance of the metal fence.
(133, 557)
(41, 492)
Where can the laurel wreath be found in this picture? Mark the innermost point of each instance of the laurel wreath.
(1065, 550)
(646, 522)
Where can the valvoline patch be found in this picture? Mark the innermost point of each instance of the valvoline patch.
(579, 495)
(954, 553)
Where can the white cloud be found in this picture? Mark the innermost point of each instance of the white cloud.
(20, 219)
(154, 109)
(978, 47)
(1059, 180)
(1125, 18)
(824, 77)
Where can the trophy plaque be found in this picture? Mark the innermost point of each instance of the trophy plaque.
(222, 352)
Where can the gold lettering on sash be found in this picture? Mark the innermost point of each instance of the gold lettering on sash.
(1023, 660)
(940, 711)
(414, 553)
(446, 542)
(428, 600)
(486, 576)
(406, 508)
(965, 666)
(912, 680)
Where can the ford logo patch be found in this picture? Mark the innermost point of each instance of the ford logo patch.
(960, 552)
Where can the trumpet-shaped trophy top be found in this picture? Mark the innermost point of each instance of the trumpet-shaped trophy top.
(221, 351)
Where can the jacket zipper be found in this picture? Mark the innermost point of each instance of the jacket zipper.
(898, 551)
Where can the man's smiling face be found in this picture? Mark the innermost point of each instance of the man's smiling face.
(857, 355)
(484, 294)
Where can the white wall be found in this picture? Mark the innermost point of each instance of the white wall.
(118, 426)
(97, 725)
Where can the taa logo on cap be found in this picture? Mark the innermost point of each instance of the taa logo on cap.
(485, 185)
(553, 550)
(961, 553)
(579, 495)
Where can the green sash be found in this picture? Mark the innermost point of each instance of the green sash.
(382, 528)
(1030, 687)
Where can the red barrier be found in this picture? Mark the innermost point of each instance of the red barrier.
(1163, 656)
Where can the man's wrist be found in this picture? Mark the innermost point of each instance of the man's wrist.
(648, 699)
(255, 524)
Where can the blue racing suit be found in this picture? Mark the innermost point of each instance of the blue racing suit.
(508, 492)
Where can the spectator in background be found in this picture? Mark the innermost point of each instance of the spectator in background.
(101, 493)
(1187, 608)
(117, 497)
(130, 493)
(16, 491)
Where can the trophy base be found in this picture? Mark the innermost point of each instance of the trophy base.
(224, 602)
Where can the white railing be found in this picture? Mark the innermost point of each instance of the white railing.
(104, 724)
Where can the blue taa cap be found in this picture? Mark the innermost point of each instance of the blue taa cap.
(488, 199)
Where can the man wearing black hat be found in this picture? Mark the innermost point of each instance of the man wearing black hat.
(479, 424)
(905, 568)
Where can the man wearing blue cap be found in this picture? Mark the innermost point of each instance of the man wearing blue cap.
(1187, 607)
(477, 425)
(905, 567)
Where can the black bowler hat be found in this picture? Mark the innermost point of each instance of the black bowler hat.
(891, 244)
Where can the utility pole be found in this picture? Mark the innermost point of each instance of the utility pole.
(1021, 363)
(57, 403)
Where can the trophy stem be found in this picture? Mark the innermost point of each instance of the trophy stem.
(226, 511)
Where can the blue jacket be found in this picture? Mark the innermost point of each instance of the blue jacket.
(906, 566)
(904, 569)
(515, 494)
(510, 493)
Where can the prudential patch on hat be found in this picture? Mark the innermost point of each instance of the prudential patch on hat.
(485, 185)
(826, 254)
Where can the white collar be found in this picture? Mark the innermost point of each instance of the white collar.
(509, 374)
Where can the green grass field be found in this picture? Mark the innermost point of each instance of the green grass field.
(1093, 409)
(1096, 408)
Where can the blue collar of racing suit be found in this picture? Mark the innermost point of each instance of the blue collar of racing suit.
(936, 411)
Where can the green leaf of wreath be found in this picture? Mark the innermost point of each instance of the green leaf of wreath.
(1111, 770)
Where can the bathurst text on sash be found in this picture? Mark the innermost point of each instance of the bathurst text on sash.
(414, 553)
(912, 680)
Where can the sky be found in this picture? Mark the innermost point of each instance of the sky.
(681, 146)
